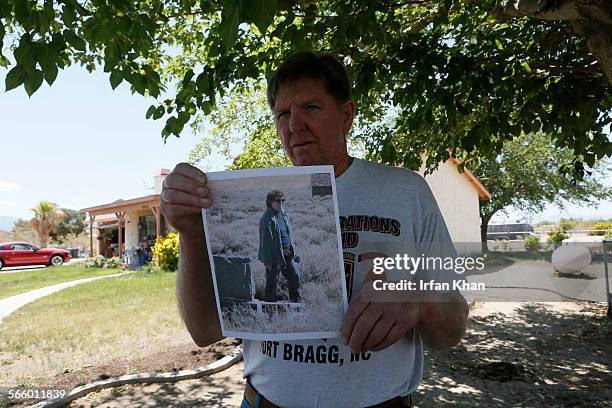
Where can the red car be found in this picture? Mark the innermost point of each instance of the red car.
(22, 254)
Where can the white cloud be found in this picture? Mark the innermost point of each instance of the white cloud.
(5, 203)
(8, 186)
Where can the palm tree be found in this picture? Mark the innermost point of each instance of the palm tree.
(46, 217)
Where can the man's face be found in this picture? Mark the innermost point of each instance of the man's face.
(311, 124)
(277, 203)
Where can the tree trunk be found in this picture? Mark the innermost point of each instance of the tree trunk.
(591, 19)
(484, 224)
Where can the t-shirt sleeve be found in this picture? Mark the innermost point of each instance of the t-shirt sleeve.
(437, 249)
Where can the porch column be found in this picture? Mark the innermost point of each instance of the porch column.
(92, 218)
(120, 217)
(157, 221)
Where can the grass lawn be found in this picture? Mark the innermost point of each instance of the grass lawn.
(125, 317)
(19, 282)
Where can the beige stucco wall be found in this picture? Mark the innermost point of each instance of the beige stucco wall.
(458, 200)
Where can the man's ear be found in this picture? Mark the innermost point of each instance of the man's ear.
(348, 113)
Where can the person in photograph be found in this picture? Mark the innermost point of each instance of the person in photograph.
(379, 359)
(276, 249)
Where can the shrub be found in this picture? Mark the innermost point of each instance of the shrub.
(101, 261)
(166, 252)
(557, 237)
(150, 268)
(114, 262)
(566, 224)
(96, 262)
(532, 243)
(603, 228)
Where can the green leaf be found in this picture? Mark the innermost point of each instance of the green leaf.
(50, 73)
(499, 44)
(526, 67)
(151, 111)
(42, 22)
(115, 78)
(33, 82)
(4, 62)
(77, 42)
(230, 20)
(259, 12)
(14, 78)
(69, 15)
(159, 112)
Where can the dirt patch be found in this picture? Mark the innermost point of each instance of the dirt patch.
(525, 354)
(175, 358)
(573, 275)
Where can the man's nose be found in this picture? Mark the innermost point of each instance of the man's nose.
(296, 121)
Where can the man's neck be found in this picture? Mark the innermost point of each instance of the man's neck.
(343, 165)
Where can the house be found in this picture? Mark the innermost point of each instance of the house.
(458, 196)
(135, 223)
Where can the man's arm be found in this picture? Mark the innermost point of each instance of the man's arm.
(184, 194)
(442, 323)
(195, 293)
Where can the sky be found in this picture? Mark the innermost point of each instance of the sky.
(80, 144)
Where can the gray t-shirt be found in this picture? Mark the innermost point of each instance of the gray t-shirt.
(383, 210)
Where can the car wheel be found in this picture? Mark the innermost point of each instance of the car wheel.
(56, 260)
(1, 264)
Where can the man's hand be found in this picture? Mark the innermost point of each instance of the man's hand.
(377, 325)
(184, 194)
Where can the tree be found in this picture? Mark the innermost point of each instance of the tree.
(567, 224)
(465, 75)
(242, 116)
(47, 216)
(70, 223)
(526, 176)
(22, 231)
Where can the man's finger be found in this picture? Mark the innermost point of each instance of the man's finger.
(178, 181)
(355, 308)
(190, 171)
(378, 333)
(363, 326)
(172, 211)
(396, 333)
(171, 196)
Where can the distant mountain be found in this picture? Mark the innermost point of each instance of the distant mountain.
(6, 223)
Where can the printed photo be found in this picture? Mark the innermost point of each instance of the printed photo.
(273, 236)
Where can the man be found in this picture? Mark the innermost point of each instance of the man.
(379, 359)
(276, 249)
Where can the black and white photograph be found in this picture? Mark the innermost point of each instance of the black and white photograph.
(273, 237)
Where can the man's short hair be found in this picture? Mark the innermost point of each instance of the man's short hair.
(273, 195)
(311, 64)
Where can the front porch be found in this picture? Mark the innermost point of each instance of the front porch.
(126, 227)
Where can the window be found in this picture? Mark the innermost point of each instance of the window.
(146, 228)
(22, 247)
